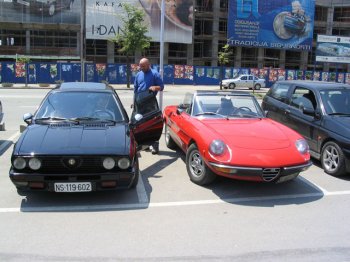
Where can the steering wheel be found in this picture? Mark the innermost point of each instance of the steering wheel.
(245, 108)
(105, 114)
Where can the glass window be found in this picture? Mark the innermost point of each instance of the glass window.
(279, 92)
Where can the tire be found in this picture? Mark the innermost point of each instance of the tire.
(137, 174)
(170, 143)
(257, 87)
(197, 170)
(332, 159)
(231, 86)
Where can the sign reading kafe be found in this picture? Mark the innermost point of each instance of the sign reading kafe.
(333, 49)
(282, 24)
(103, 19)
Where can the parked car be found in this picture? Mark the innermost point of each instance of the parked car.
(227, 134)
(80, 139)
(47, 7)
(2, 124)
(320, 111)
(250, 81)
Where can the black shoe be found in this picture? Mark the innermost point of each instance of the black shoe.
(154, 150)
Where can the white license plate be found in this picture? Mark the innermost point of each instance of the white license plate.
(73, 187)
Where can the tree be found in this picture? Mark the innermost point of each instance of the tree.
(224, 58)
(132, 35)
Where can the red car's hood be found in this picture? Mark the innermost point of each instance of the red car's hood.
(259, 134)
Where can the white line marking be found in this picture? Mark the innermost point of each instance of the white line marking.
(165, 204)
(141, 191)
(10, 141)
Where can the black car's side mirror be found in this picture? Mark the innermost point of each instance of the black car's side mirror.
(309, 111)
(28, 118)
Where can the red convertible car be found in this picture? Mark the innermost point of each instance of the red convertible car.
(227, 134)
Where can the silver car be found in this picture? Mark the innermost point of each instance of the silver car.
(249, 81)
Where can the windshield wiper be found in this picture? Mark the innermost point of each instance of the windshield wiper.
(209, 113)
(52, 119)
(85, 118)
(339, 114)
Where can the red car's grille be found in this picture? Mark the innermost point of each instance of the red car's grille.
(270, 174)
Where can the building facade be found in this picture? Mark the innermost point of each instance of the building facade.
(64, 39)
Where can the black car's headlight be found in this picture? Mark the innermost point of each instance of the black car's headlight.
(19, 163)
(123, 163)
(108, 163)
(34, 163)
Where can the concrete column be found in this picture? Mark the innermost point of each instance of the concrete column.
(303, 60)
(27, 42)
(138, 56)
(110, 52)
(282, 61)
(166, 54)
(215, 39)
(329, 27)
(238, 57)
(261, 57)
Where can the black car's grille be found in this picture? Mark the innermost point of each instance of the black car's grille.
(72, 165)
(270, 174)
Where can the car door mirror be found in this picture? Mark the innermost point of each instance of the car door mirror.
(309, 111)
(181, 108)
(28, 118)
(138, 117)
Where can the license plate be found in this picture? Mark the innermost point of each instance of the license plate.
(287, 178)
(73, 187)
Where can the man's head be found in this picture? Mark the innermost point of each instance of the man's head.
(144, 65)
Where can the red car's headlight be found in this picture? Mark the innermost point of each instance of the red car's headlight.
(217, 147)
(302, 146)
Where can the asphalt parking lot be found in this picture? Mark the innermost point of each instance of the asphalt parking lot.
(177, 220)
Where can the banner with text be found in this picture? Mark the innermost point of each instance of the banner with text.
(333, 49)
(281, 24)
(103, 19)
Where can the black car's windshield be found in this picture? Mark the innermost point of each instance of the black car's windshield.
(230, 105)
(336, 102)
(79, 107)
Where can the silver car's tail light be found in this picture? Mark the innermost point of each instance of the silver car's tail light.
(19, 163)
(123, 163)
(108, 163)
(34, 163)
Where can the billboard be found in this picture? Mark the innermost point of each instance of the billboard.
(333, 49)
(281, 24)
(42, 12)
(103, 19)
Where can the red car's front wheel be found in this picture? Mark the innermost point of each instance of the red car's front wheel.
(197, 170)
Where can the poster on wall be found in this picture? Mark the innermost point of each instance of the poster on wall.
(281, 24)
(179, 71)
(317, 75)
(333, 49)
(41, 12)
(104, 19)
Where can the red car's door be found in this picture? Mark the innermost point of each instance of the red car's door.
(146, 119)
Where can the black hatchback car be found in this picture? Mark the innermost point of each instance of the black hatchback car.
(80, 139)
(320, 111)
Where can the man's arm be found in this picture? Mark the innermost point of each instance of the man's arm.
(158, 83)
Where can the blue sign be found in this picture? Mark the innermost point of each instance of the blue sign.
(281, 24)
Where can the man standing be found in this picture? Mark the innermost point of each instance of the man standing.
(148, 79)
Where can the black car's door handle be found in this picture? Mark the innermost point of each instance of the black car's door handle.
(287, 112)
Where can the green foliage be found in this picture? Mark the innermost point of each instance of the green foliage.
(132, 36)
(22, 59)
(225, 55)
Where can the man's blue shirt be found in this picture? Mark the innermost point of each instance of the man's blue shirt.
(143, 81)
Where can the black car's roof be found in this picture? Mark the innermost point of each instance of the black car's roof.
(83, 86)
(315, 84)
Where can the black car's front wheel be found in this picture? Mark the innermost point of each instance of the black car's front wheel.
(197, 170)
(332, 159)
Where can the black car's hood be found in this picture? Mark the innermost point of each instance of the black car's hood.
(73, 140)
(338, 124)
